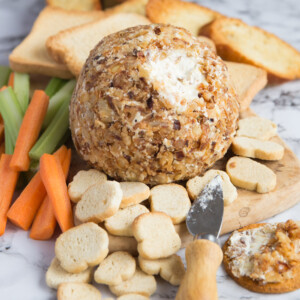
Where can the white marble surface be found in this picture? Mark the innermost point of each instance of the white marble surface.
(23, 262)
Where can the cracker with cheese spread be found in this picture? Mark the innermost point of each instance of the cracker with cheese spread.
(265, 257)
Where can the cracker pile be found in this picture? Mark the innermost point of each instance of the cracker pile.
(123, 209)
(252, 140)
(132, 209)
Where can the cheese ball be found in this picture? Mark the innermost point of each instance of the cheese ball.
(153, 104)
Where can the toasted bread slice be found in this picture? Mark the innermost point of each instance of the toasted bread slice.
(77, 291)
(31, 55)
(73, 46)
(266, 150)
(188, 15)
(130, 6)
(140, 283)
(56, 275)
(115, 268)
(250, 175)
(247, 80)
(76, 4)
(256, 128)
(237, 41)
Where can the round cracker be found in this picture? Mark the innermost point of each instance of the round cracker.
(285, 286)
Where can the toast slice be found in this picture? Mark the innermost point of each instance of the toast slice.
(248, 81)
(239, 42)
(31, 55)
(179, 13)
(76, 4)
(130, 6)
(73, 46)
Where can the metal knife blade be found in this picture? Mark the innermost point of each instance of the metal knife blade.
(206, 214)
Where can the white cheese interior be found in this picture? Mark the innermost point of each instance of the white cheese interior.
(243, 245)
(174, 75)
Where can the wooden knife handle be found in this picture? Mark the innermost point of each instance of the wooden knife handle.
(203, 259)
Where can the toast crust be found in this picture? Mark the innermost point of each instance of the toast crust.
(268, 288)
(31, 56)
(76, 5)
(60, 51)
(229, 51)
(175, 12)
(52, 69)
(129, 6)
(248, 80)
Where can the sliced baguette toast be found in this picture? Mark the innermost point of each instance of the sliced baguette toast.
(247, 80)
(72, 46)
(239, 42)
(31, 55)
(130, 6)
(179, 13)
(85, 5)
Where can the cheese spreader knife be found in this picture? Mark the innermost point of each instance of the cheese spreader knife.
(203, 255)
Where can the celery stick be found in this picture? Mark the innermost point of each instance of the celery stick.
(49, 140)
(4, 74)
(54, 85)
(64, 139)
(9, 147)
(63, 95)
(11, 113)
(21, 88)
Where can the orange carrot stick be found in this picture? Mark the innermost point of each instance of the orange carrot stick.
(44, 223)
(24, 209)
(11, 79)
(54, 180)
(8, 181)
(29, 130)
(66, 163)
(3, 88)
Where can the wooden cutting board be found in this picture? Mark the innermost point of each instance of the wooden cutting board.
(249, 207)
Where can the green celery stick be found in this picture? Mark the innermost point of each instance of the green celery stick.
(11, 113)
(53, 134)
(4, 74)
(63, 95)
(9, 147)
(64, 139)
(21, 88)
(54, 85)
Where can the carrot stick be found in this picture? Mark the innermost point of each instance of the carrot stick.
(11, 79)
(29, 130)
(66, 163)
(24, 209)
(3, 88)
(54, 180)
(8, 181)
(44, 223)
